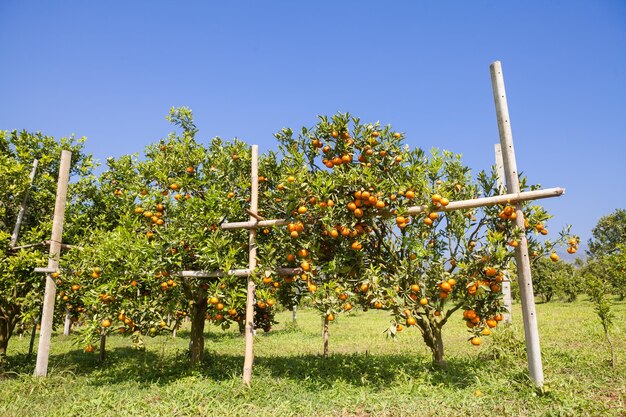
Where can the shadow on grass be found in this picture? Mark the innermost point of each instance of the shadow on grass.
(124, 365)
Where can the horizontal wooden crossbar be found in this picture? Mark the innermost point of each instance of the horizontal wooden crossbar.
(232, 272)
(454, 205)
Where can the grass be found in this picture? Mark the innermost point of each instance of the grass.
(367, 374)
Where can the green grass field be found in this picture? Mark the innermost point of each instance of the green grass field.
(366, 375)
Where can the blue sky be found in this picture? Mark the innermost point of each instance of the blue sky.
(110, 71)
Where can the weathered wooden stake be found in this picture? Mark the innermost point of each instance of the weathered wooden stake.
(68, 323)
(506, 283)
(43, 351)
(254, 206)
(522, 260)
(20, 214)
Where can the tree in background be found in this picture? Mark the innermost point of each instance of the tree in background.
(608, 234)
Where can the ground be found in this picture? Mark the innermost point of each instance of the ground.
(366, 375)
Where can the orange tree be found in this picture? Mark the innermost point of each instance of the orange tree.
(21, 290)
(167, 210)
(346, 188)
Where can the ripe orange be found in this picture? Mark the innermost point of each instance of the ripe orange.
(330, 317)
(105, 323)
(358, 213)
(554, 257)
(424, 301)
(303, 253)
(410, 321)
(410, 194)
(291, 178)
(305, 266)
(347, 306)
(475, 341)
(415, 288)
(89, 348)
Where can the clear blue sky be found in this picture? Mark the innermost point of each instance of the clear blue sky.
(110, 71)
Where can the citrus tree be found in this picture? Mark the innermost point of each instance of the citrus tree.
(21, 290)
(166, 210)
(347, 189)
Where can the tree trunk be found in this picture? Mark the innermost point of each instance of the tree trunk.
(198, 316)
(103, 345)
(325, 336)
(7, 324)
(434, 340)
(31, 347)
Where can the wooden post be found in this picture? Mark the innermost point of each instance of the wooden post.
(522, 260)
(294, 311)
(20, 214)
(254, 203)
(43, 351)
(506, 283)
(68, 323)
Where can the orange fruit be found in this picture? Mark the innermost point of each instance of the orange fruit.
(475, 341)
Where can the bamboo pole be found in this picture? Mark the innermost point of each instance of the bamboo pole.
(232, 272)
(67, 326)
(506, 283)
(20, 214)
(510, 198)
(249, 332)
(43, 350)
(522, 260)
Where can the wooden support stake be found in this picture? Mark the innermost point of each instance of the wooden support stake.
(20, 214)
(522, 260)
(506, 283)
(249, 331)
(68, 323)
(43, 352)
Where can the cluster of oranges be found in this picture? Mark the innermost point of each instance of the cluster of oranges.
(473, 320)
(295, 228)
(508, 213)
(167, 284)
(572, 245)
(153, 218)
